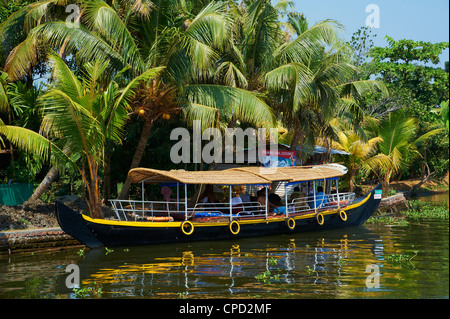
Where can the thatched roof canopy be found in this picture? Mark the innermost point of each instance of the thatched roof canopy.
(293, 174)
(237, 176)
(225, 177)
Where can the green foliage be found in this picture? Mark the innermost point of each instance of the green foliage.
(418, 87)
(402, 260)
(422, 209)
(84, 292)
(226, 63)
(267, 277)
(362, 43)
(404, 64)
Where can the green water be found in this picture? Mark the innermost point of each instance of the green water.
(373, 261)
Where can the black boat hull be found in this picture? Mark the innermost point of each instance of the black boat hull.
(96, 233)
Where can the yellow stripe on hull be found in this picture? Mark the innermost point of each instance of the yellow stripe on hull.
(209, 224)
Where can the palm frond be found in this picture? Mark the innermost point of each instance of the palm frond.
(211, 26)
(103, 19)
(36, 12)
(74, 122)
(34, 143)
(295, 78)
(206, 114)
(64, 77)
(4, 101)
(114, 112)
(231, 75)
(232, 101)
(11, 28)
(308, 43)
(363, 87)
(86, 44)
(22, 58)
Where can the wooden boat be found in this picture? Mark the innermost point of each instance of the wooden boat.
(142, 222)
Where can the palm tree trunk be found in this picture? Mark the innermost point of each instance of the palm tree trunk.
(48, 179)
(297, 140)
(94, 203)
(352, 173)
(145, 134)
(107, 176)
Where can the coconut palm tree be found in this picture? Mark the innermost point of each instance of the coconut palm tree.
(399, 143)
(139, 35)
(80, 115)
(362, 154)
(304, 70)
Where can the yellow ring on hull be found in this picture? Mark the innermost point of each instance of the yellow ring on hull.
(343, 215)
(235, 228)
(320, 219)
(190, 227)
(290, 223)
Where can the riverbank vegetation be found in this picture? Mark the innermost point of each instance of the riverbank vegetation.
(83, 102)
(420, 210)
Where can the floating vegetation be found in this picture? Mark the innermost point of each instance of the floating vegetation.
(401, 260)
(427, 210)
(88, 291)
(267, 277)
(421, 210)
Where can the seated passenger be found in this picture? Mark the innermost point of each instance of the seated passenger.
(275, 205)
(321, 198)
(295, 194)
(236, 200)
(261, 197)
(245, 197)
(208, 195)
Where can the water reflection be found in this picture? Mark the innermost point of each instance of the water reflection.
(246, 266)
(329, 264)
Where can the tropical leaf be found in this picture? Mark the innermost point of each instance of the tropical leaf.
(101, 18)
(4, 103)
(33, 143)
(22, 58)
(64, 78)
(230, 75)
(246, 105)
(295, 78)
(114, 116)
(308, 44)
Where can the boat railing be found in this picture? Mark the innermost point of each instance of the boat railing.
(170, 210)
(328, 201)
(239, 210)
(125, 209)
(152, 210)
(344, 198)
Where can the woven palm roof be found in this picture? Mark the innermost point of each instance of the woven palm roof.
(293, 174)
(225, 177)
(236, 176)
(303, 174)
